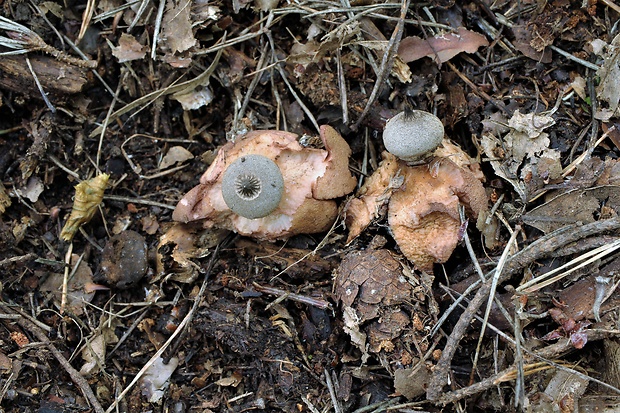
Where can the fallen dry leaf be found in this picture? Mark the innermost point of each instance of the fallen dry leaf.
(523, 38)
(526, 139)
(608, 88)
(526, 136)
(578, 205)
(156, 378)
(562, 394)
(442, 47)
(179, 245)
(93, 355)
(33, 189)
(177, 26)
(175, 155)
(150, 224)
(195, 99)
(80, 287)
(412, 382)
(128, 49)
(88, 196)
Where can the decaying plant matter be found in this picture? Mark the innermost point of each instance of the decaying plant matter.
(88, 196)
(385, 307)
(290, 315)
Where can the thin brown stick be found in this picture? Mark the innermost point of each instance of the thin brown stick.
(499, 104)
(322, 304)
(540, 248)
(18, 258)
(179, 332)
(75, 375)
(386, 62)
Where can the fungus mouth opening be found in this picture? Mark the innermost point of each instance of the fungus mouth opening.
(248, 187)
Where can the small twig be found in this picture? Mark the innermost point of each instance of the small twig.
(49, 23)
(332, 392)
(128, 332)
(494, 208)
(470, 248)
(18, 258)
(178, 332)
(492, 381)
(309, 404)
(75, 375)
(93, 71)
(138, 15)
(87, 16)
(248, 93)
(40, 87)
(573, 58)
(240, 397)
(303, 106)
(519, 361)
(586, 154)
(498, 104)
(114, 11)
(342, 85)
(540, 248)
(107, 120)
(322, 304)
(59, 164)
(65, 280)
(386, 62)
(247, 34)
(138, 169)
(156, 30)
(497, 273)
(453, 306)
(138, 201)
(88, 238)
(611, 5)
(380, 406)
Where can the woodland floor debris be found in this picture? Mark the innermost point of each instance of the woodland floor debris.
(131, 311)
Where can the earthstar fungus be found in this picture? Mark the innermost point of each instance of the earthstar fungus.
(422, 205)
(311, 179)
(421, 202)
(252, 186)
(410, 135)
(424, 215)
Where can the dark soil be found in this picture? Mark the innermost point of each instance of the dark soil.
(242, 324)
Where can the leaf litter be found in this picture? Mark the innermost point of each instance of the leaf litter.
(361, 314)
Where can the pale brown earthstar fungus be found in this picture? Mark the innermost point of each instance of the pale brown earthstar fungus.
(422, 201)
(424, 215)
(267, 185)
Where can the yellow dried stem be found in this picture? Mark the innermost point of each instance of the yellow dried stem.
(88, 196)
